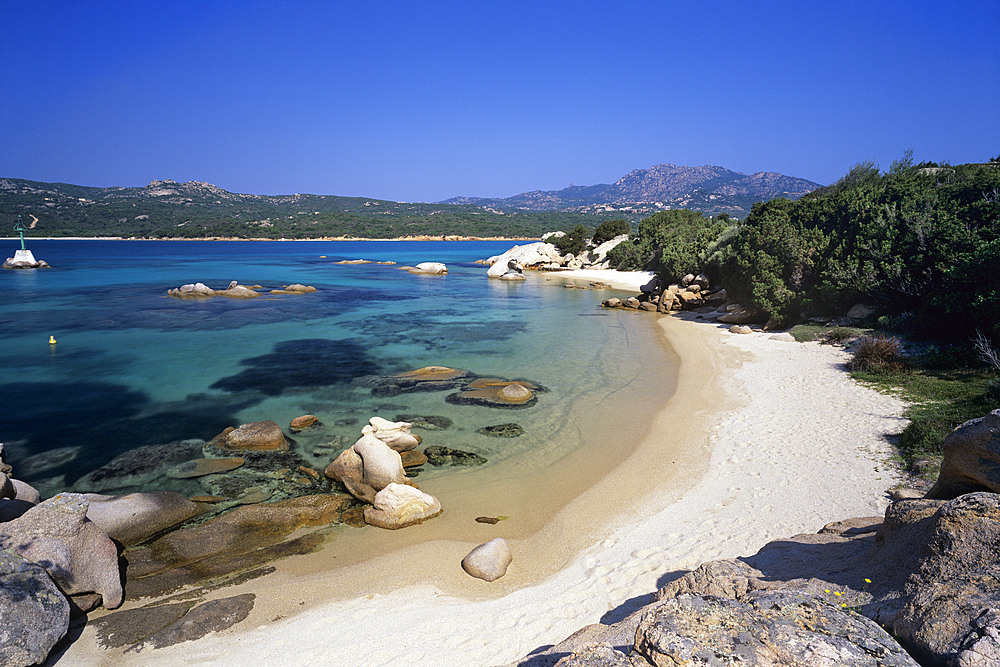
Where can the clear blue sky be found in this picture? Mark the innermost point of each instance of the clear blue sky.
(421, 101)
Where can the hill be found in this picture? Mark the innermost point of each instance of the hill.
(708, 189)
(168, 209)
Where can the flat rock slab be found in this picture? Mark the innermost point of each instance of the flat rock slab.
(168, 624)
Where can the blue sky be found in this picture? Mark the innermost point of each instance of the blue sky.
(423, 101)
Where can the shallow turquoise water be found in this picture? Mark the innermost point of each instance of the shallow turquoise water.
(135, 367)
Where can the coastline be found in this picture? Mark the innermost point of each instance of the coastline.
(763, 439)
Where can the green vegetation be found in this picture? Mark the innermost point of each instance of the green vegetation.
(672, 243)
(166, 209)
(609, 229)
(573, 242)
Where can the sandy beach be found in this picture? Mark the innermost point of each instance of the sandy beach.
(763, 439)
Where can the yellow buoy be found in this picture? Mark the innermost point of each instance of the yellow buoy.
(52, 340)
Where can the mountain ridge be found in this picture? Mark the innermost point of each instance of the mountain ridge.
(669, 185)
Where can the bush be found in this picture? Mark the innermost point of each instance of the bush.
(876, 354)
(625, 257)
(609, 229)
(573, 242)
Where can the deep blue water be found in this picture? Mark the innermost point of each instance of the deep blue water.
(135, 367)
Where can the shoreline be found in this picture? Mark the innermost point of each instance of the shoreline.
(764, 437)
(448, 237)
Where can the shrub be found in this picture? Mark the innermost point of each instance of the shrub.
(837, 336)
(573, 242)
(609, 229)
(877, 354)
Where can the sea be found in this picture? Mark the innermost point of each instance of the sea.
(97, 359)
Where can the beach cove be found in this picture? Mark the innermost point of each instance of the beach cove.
(762, 439)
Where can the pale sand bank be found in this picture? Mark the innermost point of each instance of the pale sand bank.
(777, 440)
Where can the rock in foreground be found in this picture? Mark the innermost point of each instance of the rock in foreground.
(488, 561)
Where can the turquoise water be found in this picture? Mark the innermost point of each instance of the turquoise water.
(135, 367)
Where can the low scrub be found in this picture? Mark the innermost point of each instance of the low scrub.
(877, 354)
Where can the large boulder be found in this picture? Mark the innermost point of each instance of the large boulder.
(430, 268)
(971, 459)
(399, 506)
(769, 628)
(57, 535)
(531, 254)
(488, 561)
(943, 558)
(395, 434)
(135, 517)
(34, 614)
(367, 467)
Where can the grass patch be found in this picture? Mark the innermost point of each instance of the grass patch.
(939, 401)
(804, 333)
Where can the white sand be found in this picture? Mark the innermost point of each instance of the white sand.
(627, 280)
(794, 444)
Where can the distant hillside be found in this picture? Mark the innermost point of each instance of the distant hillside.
(709, 189)
(167, 209)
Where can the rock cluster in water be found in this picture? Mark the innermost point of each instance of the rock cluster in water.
(257, 491)
(234, 291)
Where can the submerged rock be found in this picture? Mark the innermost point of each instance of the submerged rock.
(200, 467)
(502, 431)
(139, 466)
(304, 422)
(429, 378)
(445, 456)
(256, 436)
(428, 422)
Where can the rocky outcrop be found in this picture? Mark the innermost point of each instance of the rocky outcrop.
(971, 459)
(531, 254)
(488, 561)
(135, 517)
(927, 571)
(367, 467)
(34, 614)
(395, 434)
(57, 535)
(233, 291)
(234, 542)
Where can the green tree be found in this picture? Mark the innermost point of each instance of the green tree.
(609, 229)
(573, 242)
